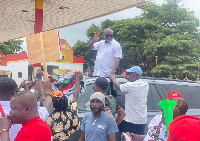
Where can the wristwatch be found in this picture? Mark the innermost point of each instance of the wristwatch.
(47, 94)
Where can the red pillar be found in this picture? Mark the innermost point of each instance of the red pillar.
(38, 22)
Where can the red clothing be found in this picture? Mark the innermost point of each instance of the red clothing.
(34, 130)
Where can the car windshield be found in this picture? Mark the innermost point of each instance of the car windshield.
(83, 100)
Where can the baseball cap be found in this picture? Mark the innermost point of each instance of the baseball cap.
(136, 69)
(102, 82)
(184, 128)
(99, 96)
(173, 94)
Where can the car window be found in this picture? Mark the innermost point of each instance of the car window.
(83, 100)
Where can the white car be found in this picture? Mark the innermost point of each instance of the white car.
(158, 90)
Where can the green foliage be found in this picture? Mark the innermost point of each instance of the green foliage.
(168, 31)
(81, 50)
(91, 30)
(10, 47)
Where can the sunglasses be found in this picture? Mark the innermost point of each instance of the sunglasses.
(108, 35)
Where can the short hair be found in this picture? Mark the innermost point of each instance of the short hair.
(26, 97)
(8, 86)
(60, 104)
(108, 29)
(102, 82)
(181, 104)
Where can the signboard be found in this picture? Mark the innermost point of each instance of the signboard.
(43, 47)
(66, 51)
(61, 71)
(50, 44)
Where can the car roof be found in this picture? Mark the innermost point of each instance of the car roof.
(159, 89)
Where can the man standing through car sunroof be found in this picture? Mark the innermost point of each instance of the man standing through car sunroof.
(109, 53)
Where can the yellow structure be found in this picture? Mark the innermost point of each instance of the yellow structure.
(66, 51)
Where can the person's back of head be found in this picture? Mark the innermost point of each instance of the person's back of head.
(181, 107)
(23, 107)
(60, 102)
(8, 88)
(102, 83)
(35, 85)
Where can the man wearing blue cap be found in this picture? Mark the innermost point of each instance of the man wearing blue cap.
(136, 92)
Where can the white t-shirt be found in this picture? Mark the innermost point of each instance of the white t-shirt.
(43, 113)
(152, 128)
(105, 59)
(135, 101)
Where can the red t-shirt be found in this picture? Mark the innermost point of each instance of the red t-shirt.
(34, 130)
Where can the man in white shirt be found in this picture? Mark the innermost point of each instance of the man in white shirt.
(8, 88)
(136, 92)
(109, 53)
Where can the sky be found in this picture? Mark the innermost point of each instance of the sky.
(77, 32)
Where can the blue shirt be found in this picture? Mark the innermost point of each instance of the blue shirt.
(98, 128)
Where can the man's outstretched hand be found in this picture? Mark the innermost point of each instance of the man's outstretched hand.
(96, 36)
(79, 77)
(39, 74)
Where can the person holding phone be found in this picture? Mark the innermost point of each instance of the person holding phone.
(27, 85)
(109, 53)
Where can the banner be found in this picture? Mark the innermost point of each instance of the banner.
(66, 83)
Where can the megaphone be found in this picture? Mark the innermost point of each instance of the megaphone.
(168, 107)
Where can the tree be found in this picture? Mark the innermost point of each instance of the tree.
(168, 31)
(10, 47)
(81, 50)
(180, 27)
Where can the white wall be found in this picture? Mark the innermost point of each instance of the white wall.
(22, 66)
(15, 67)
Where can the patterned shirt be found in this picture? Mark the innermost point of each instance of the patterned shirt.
(63, 124)
(156, 130)
(105, 59)
(135, 101)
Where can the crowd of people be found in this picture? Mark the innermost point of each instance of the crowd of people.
(37, 113)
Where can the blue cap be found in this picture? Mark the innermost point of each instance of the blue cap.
(136, 69)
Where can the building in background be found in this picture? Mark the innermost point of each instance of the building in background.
(19, 69)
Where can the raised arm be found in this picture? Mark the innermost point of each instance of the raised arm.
(95, 38)
(115, 82)
(120, 115)
(20, 86)
(79, 77)
(48, 98)
(40, 87)
(26, 87)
